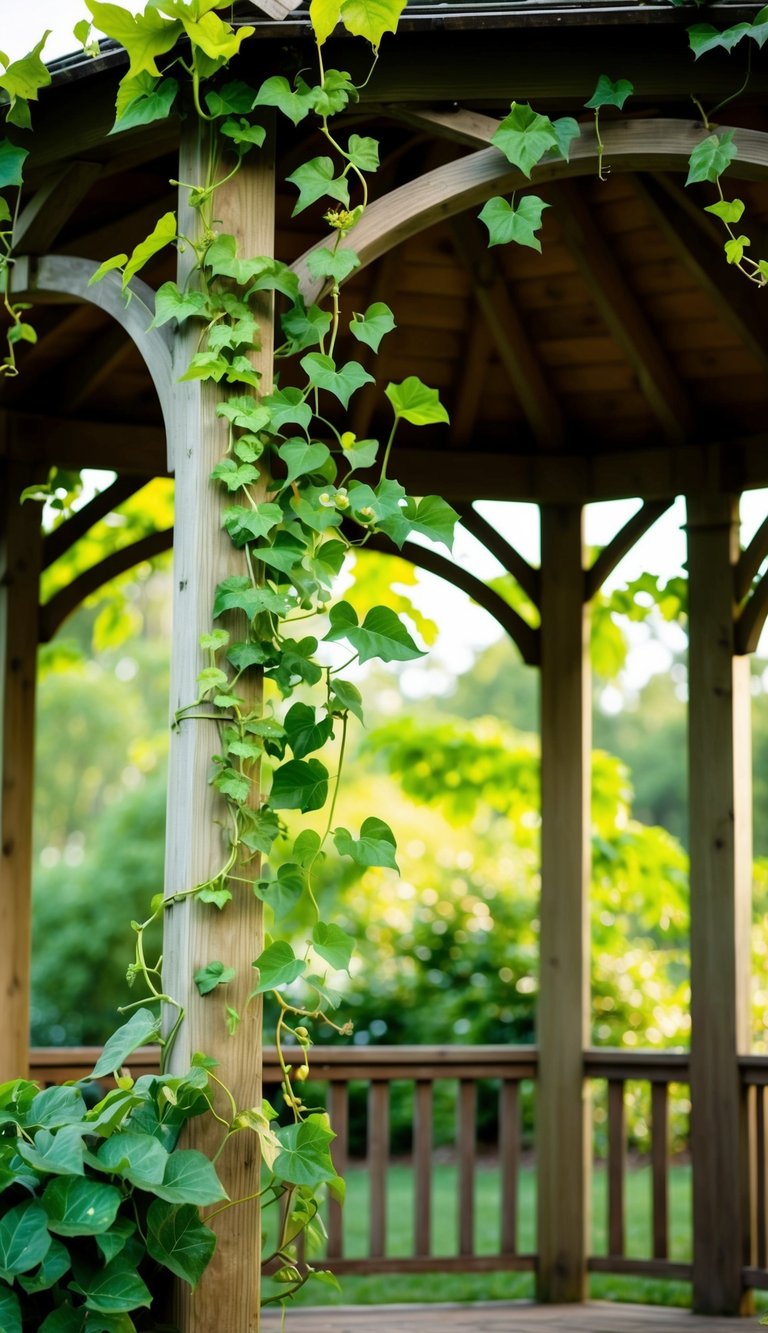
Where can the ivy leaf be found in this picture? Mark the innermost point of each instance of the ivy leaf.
(758, 29)
(376, 845)
(231, 782)
(277, 966)
(363, 152)
(382, 634)
(12, 159)
(729, 210)
(303, 731)
(711, 157)
(333, 944)
(295, 103)
(305, 1157)
(238, 594)
(283, 892)
(347, 697)
(322, 374)
(415, 402)
(234, 475)
(218, 897)
(172, 303)
(77, 1206)
(22, 81)
(244, 411)
(566, 130)
(54, 1107)
(178, 1240)
(297, 663)
(24, 1238)
(288, 408)
(190, 1178)
(702, 37)
(299, 785)
(371, 327)
(335, 92)
(735, 247)
(164, 233)
(608, 93)
(55, 1264)
(10, 1311)
(212, 975)
(144, 36)
(261, 829)
(307, 846)
(329, 997)
(211, 35)
(243, 133)
(371, 18)
(524, 137)
(142, 1028)
(148, 106)
(139, 1158)
(317, 179)
(358, 453)
(324, 16)
(232, 99)
(114, 1289)
(57, 1154)
(506, 223)
(326, 263)
(302, 458)
(250, 523)
(431, 517)
(305, 328)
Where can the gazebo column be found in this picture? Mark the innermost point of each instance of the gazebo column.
(721, 890)
(562, 1124)
(227, 1297)
(20, 547)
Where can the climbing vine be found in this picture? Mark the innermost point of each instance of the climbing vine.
(295, 509)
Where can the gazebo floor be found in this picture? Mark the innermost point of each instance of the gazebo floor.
(503, 1317)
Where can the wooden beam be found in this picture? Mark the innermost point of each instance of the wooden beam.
(527, 575)
(58, 608)
(621, 544)
(197, 842)
(698, 244)
(623, 314)
(752, 618)
(19, 582)
(132, 449)
(720, 813)
(750, 560)
(477, 354)
(51, 207)
(509, 334)
(630, 145)
(62, 539)
(563, 1132)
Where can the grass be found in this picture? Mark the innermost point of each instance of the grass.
(396, 1288)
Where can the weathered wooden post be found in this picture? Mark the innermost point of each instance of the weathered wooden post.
(562, 1125)
(20, 553)
(195, 933)
(721, 896)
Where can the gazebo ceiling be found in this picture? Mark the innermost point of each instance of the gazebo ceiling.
(625, 358)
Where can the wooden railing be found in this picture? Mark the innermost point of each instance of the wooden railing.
(339, 1072)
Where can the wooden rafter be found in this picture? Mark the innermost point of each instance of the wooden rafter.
(109, 238)
(471, 383)
(513, 562)
(621, 544)
(63, 538)
(55, 611)
(623, 313)
(51, 206)
(135, 449)
(509, 334)
(749, 561)
(698, 245)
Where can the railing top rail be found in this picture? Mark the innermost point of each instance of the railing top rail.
(407, 1061)
(654, 1066)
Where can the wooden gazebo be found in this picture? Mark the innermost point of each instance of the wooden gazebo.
(626, 360)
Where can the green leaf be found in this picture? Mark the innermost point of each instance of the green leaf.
(322, 374)
(295, 103)
(218, 897)
(758, 28)
(178, 1240)
(284, 892)
(431, 517)
(142, 1029)
(5, 212)
(305, 1157)
(711, 157)
(25, 77)
(210, 34)
(305, 328)
(288, 408)
(10, 1311)
(347, 697)
(325, 263)
(566, 130)
(608, 93)
(233, 783)
(382, 634)
(212, 975)
(333, 944)
(164, 233)
(324, 16)
(114, 1289)
(376, 845)
(63, 1320)
(317, 179)
(307, 846)
(524, 137)
(79, 1206)
(114, 1241)
(55, 1264)
(172, 303)
(302, 458)
(735, 247)
(116, 261)
(506, 223)
(24, 1238)
(414, 402)
(261, 829)
(334, 94)
(190, 1178)
(234, 475)
(328, 997)
(371, 18)
(729, 210)
(299, 785)
(363, 152)
(303, 731)
(371, 327)
(702, 37)
(56, 1106)
(144, 36)
(12, 159)
(238, 594)
(244, 411)
(108, 1323)
(140, 1158)
(233, 98)
(58, 1154)
(147, 107)
(277, 966)
(243, 133)
(358, 453)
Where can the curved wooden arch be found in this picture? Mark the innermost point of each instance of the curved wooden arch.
(63, 275)
(621, 544)
(750, 623)
(630, 145)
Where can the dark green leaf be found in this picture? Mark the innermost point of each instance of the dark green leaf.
(178, 1240)
(277, 966)
(608, 93)
(382, 634)
(58, 1154)
(24, 1238)
(304, 732)
(702, 37)
(142, 1029)
(284, 892)
(12, 159)
(137, 1157)
(301, 784)
(212, 975)
(232, 99)
(364, 152)
(376, 845)
(80, 1207)
(333, 944)
(295, 103)
(305, 1157)
(508, 223)
(566, 130)
(114, 1289)
(55, 1264)
(64, 1320)
(10, 1311)
(288, 408)
(149, 106)
(371, 327)
(190, 1178)
(322, 373)
(238, 594)
(524, 137)
(710, 158)
(249, 523)
(56, 1106)
(113, 1242)
(317, 179)
(431, 517)
(347, 697)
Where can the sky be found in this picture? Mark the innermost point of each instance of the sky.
(465, 630)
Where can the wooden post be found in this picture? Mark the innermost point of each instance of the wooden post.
(195, 933)
(721, 887)
(20, 546)
(562, 1127)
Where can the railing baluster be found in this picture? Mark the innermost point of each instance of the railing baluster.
(338, 1110)
(509, 1154)
(616, 1164)
(422, 1168)
(660, 1168)
(378, 1163)
(761, 1162)
(467, 1135)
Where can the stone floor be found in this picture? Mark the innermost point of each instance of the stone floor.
(503, 1317)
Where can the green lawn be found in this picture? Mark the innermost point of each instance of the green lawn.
(500, 1286)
